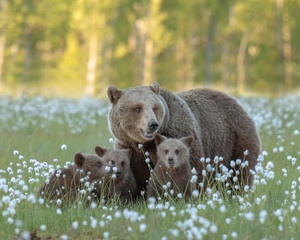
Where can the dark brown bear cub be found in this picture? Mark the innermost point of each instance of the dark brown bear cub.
(85, 175)
(119, 182)
(172, 173)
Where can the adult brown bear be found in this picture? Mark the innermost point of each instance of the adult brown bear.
(219, 125)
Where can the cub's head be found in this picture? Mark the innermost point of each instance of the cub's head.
(91, 165)
(117, 160)
(136, 113)
(173, 152)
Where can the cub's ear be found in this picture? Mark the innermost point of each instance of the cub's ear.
(187, 140)
(159, 139)
(79, 159)
(114, 94)
(100, 151)
(155, 87)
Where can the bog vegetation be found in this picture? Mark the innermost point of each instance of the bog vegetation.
(39, 135)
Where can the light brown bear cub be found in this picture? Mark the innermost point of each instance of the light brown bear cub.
(119, 182)
(172, 173)
(66, 183)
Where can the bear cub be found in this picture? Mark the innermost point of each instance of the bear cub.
(119, 182)
(172, 173)
(86, 173)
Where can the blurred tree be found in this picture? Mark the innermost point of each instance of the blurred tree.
(84, 45)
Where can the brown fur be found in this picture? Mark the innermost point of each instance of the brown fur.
(177, 172)
(219, 125)
(67, 185)
(124, 184)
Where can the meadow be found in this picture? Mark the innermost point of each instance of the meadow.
(41, 134)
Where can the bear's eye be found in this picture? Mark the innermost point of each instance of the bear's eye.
(112, 162)
(176, 151)
(122, 163)
(155, 109)
(166, 151)
(138, 109)
(99, 164)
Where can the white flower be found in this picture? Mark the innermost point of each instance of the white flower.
(58, 202)
(64, 237)
(293, 219)
(281, 148)
(93, 222)
(43, 227)
(75, 225)
(106, 235)
(194, 179)
(93, 205)
(194, 172)
(147, 160)
(25, 235)
(16, 152)
(232, 163)
(262, 216)
(228, 220)
(107, 169)
(222, 208)
(58, 211)
(111, 140)
(115, 169)
(142, 227)
(195, 193)
(31, 198)
(113, 176)
(179, 195)
(234, 235)
(63, 147)
(140, 145)
(213, 228)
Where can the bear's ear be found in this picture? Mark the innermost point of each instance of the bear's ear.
(159, 139)
(114, 94)
(155, 87)
(187, 140)
(79, 159)
(100, 151)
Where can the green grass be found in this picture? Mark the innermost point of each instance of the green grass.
(203, 217)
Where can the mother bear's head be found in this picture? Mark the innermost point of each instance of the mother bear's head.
(136, 114)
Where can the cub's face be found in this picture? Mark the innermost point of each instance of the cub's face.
(139, 112)
(173, 152)
(90, 163)
(117, 160)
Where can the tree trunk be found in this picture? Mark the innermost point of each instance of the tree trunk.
(106, 57)
(240, 66)
(225, 64)
(2, 38)
(209, 52)
(185, 54)
(91, 66)
(284, 42)
(148, 62)
(2, 51)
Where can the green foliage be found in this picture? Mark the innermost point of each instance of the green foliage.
(49, 44)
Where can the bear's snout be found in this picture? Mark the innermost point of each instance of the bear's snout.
(171, 160)
(118, 173)
(153, 125)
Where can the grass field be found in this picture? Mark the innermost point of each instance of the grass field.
(38, 133)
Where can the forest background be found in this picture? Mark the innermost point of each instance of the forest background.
(79, 47)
